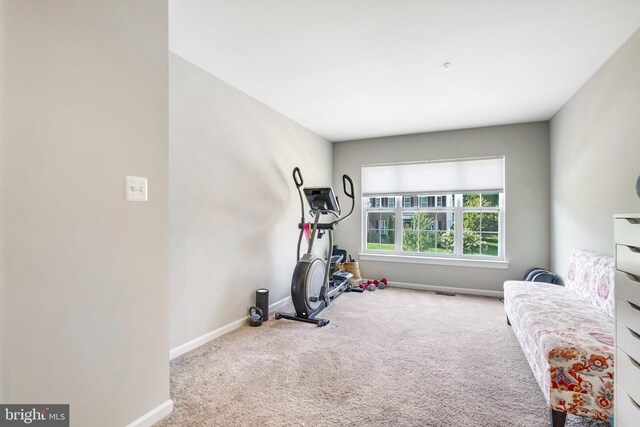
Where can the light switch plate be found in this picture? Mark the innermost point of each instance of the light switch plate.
(136, 189)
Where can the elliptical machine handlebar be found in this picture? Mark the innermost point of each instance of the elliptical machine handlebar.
(346, 179)
(297, 177)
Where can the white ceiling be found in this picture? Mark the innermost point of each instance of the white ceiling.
(350, 69)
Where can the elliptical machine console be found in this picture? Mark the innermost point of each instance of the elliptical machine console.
(312, 288)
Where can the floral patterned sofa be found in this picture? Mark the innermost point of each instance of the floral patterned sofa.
(566, 333)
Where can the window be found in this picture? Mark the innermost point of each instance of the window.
(380, 230)
(426, 230)
(481, 224)
(459, 223)
(388, 202)
(385, 202)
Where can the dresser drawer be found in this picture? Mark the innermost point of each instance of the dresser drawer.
(628, 340)
(627, 231)
(628, 259)
(627, 410)
(627, 287)
(628, 374)
(628, 314)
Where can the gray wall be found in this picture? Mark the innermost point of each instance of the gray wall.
(84, 103)
(233, 206)
(526, 150)
(595, 157)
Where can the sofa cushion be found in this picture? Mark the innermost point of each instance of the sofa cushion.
(590, 276)
(568, 343)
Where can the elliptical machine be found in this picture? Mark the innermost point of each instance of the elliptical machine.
(311, 287)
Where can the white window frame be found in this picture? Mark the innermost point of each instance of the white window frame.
(457, 258)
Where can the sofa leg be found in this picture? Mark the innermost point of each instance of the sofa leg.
(558, 418)
(508, 323)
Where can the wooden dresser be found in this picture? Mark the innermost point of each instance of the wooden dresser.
(627, 292)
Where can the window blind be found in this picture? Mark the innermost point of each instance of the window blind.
(452, 176)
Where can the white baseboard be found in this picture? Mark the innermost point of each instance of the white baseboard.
(210, 336)
(203, 339)
(279, 304)
(153, 416)
(432, 288)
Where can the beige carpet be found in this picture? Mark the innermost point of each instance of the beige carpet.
(392, 357)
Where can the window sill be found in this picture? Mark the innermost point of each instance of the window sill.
(455, 262)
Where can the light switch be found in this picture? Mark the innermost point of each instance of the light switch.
(136, 189)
